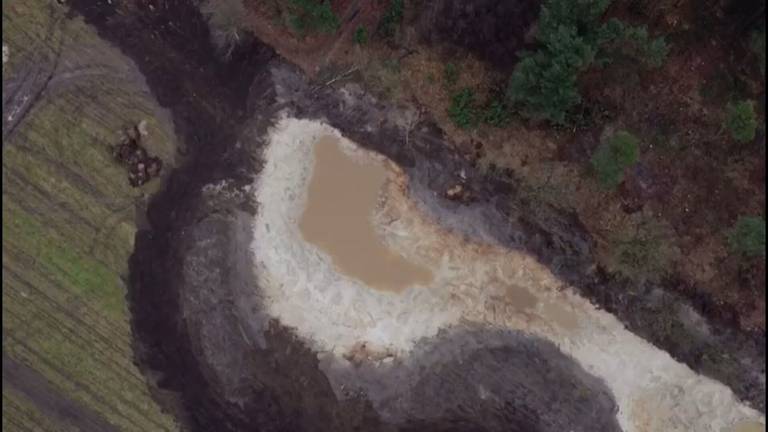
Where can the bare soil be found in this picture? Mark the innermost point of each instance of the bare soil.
(189, 262)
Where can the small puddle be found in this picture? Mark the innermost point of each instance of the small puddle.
(342, 196)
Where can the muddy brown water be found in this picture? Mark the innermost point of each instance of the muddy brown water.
(342, 196)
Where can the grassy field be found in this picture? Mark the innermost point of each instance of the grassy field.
(69, 218)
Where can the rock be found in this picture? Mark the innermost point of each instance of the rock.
(141, 166)
(454, 192)
(142, 128)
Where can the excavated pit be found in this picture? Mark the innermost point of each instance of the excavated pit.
(244, 325)
(373, 341)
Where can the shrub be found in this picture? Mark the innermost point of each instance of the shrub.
(565, 13)
(635, 42)
(463, 110)
(391, 65)
(642, 251)
(571, 37)
(656, 52)
(747, 237)
(496, 113)
(308, 16)
(361, 35)
(391, 19)
(741, 121)
(613, 157)
(639, 258)
(544, 85)
(451, 74)
(383, 77)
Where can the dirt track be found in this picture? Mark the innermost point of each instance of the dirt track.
(190, 263)
(47, 399)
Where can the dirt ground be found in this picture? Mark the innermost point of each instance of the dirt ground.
(188, 263)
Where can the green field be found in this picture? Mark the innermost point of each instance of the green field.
(69, 218)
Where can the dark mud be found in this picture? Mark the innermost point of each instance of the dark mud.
(494, 30)
(473, 378)
(234, 369)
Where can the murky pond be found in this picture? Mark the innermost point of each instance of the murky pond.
(343, 193)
